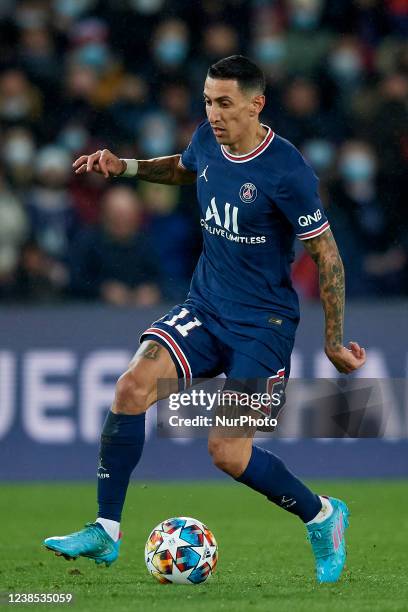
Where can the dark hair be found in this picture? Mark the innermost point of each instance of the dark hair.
(241, 69)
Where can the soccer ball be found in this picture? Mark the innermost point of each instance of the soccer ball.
(181, 550)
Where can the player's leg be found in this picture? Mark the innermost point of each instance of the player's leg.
(177, 347)
(122, 442)
(172, 350)
(261, 470)
(264, 472)
(123, 433)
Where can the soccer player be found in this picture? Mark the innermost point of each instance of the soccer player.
(256, 193)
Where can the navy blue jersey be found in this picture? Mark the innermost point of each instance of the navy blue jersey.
(252, 207)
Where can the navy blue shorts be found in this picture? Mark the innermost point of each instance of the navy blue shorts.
(203, 347)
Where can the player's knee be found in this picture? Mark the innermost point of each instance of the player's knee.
(132, 395)
(224, 457)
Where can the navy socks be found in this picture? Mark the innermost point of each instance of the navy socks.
(267, 474)
(122, 442)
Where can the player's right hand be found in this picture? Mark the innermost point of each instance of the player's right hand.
(102, 162)
(346, 360)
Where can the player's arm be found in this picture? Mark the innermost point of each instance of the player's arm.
(166, 170)
(324, 252)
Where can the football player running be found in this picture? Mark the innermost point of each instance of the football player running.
(256, 193)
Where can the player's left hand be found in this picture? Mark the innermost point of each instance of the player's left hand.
(346, 360)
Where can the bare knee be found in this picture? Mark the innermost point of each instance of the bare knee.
(133, 394)
(226, 456)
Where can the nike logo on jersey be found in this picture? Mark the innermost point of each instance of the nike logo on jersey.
(204, 174)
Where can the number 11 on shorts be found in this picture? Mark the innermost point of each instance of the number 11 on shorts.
(183, 329)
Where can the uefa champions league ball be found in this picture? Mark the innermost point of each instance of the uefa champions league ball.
(181, 550)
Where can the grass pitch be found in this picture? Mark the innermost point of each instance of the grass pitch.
(264, 564)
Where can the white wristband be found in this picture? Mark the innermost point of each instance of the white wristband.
(132, 166)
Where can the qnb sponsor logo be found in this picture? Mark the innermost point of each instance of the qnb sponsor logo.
(305, 220)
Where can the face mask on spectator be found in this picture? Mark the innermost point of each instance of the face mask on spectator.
(157, 137)
(346, 65)
(154, 146)
(304, 19)
(95, 55)
(147, 7)
(74, 138)
(6, 8)
(15, 107)
(72, 8)
(171, 50)
(320, 154)
(270, 50)
(18, 152)
(357, 167)
(30, 17)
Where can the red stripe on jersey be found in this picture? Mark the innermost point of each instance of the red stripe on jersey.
(315, 232)
(185, 366)
(242, 158)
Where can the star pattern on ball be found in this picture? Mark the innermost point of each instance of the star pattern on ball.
(171, 542)
(180, 577)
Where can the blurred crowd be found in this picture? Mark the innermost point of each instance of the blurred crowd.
(78, 75)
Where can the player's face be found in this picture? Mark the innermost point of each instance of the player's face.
(230, 110)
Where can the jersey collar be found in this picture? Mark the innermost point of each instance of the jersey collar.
(240, 159)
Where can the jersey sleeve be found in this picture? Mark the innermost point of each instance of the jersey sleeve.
(188, 158)
(298, 199)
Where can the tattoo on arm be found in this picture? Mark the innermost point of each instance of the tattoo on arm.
(165, 170)
(152, 351)
(324, 252)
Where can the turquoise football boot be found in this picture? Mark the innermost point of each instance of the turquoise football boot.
(92, 542)
(328, 542)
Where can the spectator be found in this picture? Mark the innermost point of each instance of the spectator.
(157, 134)
(321, 155)
(38, 279)
(37, 53)
(127, 75)
(20, 101)
(18, 156)
(50, 208)
(172, 233)
(13, 231)
(114, 261)
(345, 70)
(170, 47)
(307, 41)
(302, 117)
(360, 223)
(219, 40)
(130, 106)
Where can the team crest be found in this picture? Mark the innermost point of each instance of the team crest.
(248, 193)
